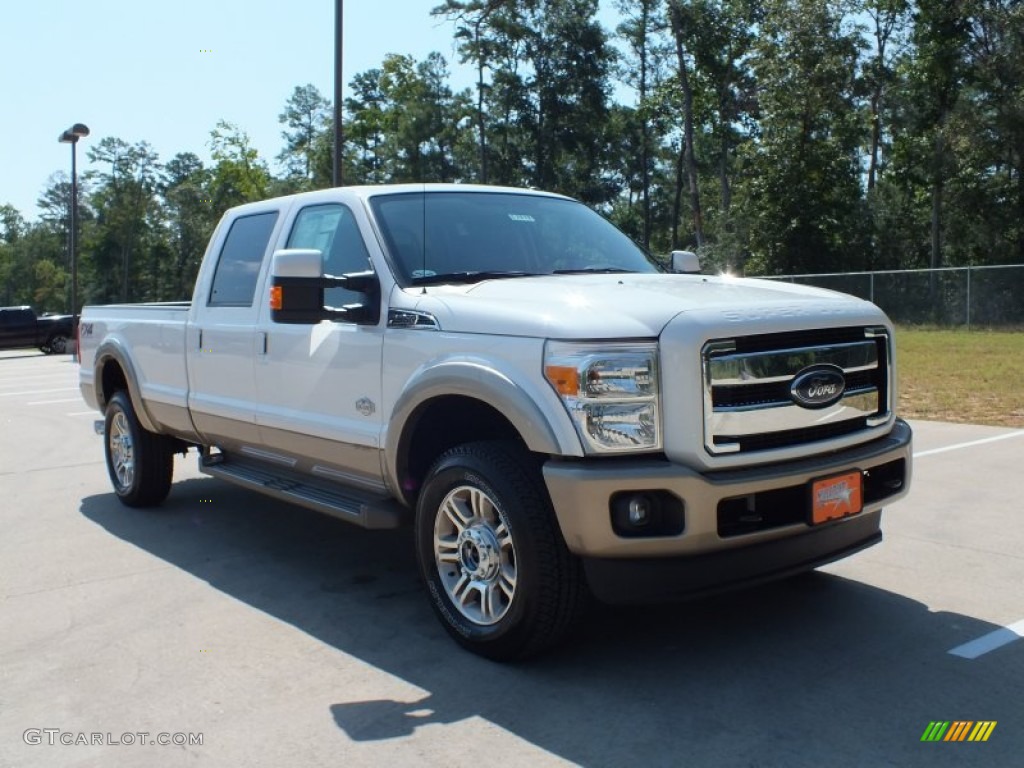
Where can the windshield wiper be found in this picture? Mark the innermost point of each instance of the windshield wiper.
(468, 277)
(594, 271)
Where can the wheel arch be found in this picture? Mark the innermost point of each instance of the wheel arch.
(113, 370)
(464, 402)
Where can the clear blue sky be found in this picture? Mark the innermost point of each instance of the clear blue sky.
(135, 69)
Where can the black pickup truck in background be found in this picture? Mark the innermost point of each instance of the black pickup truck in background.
(21, 327)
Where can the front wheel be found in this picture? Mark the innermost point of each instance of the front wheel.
(500, 577)
(140, 463)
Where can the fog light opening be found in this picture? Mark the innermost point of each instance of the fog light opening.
(639, 511)
(646, 513)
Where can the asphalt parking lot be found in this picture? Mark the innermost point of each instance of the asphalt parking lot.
(283, 638)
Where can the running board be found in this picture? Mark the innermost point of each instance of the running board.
(349, 504)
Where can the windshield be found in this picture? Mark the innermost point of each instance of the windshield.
(437, 237)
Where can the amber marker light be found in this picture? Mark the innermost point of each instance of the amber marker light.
(564, 378)
(276, 297)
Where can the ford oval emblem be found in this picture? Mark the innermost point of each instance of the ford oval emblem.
(818, 386)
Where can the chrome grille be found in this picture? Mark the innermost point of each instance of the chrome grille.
(748, 400)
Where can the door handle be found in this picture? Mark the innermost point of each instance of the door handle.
(261, 342)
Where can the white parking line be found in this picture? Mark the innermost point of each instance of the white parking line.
(9, 380)
(50, 382)
(991, 641)
(972, 443)
(37, 392)
(84, 413)
(51, 402)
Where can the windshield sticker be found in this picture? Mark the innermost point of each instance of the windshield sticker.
(521, 217)
(423, 273)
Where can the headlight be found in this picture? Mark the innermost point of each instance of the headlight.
(610, 391)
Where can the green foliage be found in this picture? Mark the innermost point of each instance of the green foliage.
(32, 263)
(50, 280)
(239, 175)
(307, 113)
(189, 217)
(775, 136)
(116, 249)
(805, 193)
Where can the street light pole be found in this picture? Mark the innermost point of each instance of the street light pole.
(71, 136)
(338, 135)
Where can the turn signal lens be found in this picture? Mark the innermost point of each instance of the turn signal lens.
(276, 297)
(564, 378)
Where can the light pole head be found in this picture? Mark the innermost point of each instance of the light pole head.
(73, 134)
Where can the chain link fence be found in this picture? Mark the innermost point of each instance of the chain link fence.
(951, 296)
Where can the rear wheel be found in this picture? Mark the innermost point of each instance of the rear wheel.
(56, 345)
(500, 577)
(140, 463)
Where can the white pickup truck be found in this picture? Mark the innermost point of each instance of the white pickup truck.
(553, 411)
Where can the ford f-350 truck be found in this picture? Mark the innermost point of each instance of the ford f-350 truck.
(554, 412)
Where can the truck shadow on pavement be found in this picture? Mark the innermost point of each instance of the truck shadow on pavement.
(815, 670)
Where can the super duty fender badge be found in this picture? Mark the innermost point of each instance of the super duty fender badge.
(365, 406)
(818, 386)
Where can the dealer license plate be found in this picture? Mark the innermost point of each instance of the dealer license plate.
(836, 497)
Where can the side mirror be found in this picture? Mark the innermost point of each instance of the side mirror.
(367, 309)
(297, 284)
(685, 262)
(298, 262)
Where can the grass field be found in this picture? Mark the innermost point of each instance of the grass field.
(974, 377)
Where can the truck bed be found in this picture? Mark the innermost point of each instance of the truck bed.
(151, 336)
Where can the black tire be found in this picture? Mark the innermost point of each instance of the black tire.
(140, 463)
(56, 344)
(547, 585)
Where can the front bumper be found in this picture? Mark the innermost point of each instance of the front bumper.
(649, 580)
(581, 493)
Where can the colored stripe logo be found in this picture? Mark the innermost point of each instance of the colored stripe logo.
(958, 730)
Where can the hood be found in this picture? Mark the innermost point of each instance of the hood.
(619, 306)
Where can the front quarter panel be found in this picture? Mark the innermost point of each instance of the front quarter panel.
(503, 372)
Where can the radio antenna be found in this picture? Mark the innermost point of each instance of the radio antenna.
(423, 238)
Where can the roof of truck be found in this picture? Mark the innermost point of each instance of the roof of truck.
(367, 191)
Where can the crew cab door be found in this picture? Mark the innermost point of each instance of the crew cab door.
(319, 384)
(222, 337)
